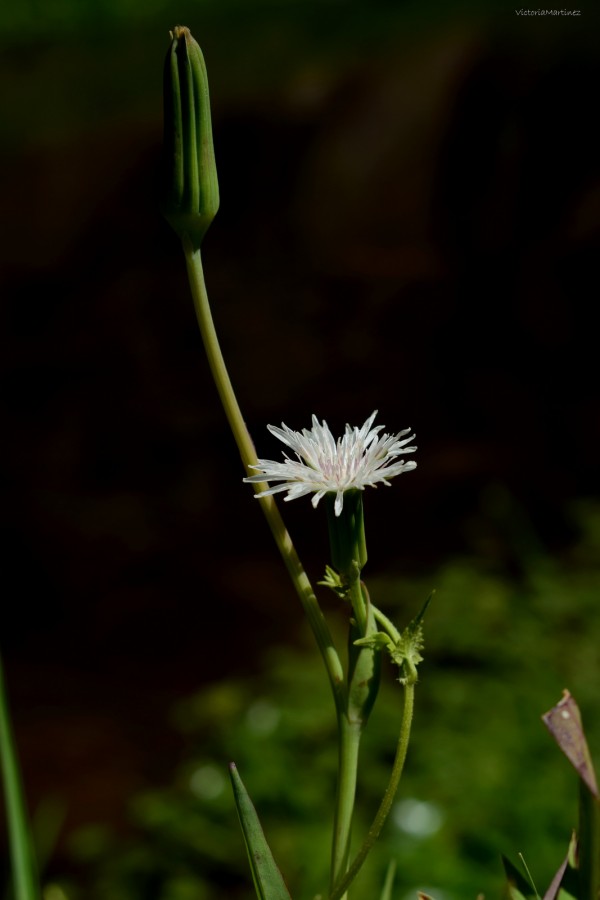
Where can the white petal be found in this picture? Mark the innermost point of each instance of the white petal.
(360, 457)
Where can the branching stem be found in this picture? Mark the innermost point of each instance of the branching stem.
(388, 798)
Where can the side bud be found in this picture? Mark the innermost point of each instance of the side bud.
(190, 189)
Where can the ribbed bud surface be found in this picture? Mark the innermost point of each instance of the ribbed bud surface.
(190, 189)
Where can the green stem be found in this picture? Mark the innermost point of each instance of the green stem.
(349, 734)
(24, 869)
(387, 624)
(247, 452)
(342, 886)
(362, 690)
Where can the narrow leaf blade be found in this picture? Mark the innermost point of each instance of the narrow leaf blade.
(268, 881)
(386, 893)
(24, 869)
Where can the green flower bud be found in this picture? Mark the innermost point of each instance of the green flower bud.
(190, 193)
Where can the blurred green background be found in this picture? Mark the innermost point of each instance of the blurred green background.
(410, 221)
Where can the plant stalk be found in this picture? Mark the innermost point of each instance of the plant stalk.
(362, 689)
(341, 887)
(349, 734)
(248, 454)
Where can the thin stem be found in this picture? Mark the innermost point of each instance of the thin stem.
(387, 623)
(342, 886)
(24, 869)
(349, 734)
(361, 672)
(247, 452)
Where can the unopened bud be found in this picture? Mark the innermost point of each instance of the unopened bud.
(190, 191)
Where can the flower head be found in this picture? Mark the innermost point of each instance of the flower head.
(360, 458)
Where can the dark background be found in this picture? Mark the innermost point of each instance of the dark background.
(410, 214)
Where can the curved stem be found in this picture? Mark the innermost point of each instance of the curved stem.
(247, 452)
(387, 624)
(388, 798)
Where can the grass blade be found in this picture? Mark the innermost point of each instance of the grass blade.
(24, 870)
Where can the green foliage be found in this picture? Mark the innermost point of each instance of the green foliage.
(482, 775)
(268, 883)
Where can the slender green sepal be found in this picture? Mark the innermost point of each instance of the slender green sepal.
(388, 884)
(24, 869)
(268, 881)
(190, 188)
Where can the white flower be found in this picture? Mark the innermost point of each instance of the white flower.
(360, 458)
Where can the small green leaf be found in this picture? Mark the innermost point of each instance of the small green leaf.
(268, 881)
(333, 581)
